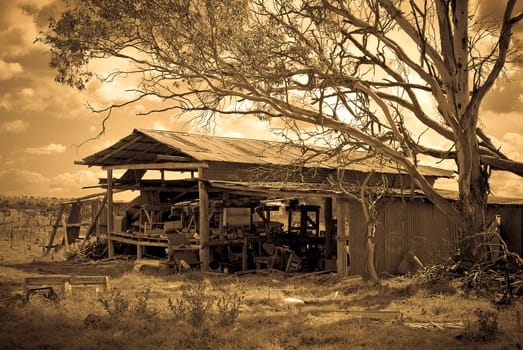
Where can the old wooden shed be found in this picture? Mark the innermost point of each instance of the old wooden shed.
(256, 201)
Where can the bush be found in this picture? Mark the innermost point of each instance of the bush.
(228, 308)
(141, 307)
(116, 305)
(485, 328)
(488, 325)
(195, 306)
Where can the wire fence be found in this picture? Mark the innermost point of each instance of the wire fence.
(25, 226)
(24, 233)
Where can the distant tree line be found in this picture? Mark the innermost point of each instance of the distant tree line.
(29, 202)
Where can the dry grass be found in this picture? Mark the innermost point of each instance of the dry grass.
(155, 309)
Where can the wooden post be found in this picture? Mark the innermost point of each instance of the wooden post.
(55, 228)
(94, 218)
(110, 214)
(139, 252)
(66, 239)
(251, 220)
(203, 221)
(95, 222)
(96, 211)
(342, 213)
(303, 220)
(245, 253)
(329, 226)
(223, 215)
(98, 228)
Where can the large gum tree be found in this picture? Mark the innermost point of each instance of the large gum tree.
(384, 76)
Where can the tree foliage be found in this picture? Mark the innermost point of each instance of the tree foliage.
(361, 74)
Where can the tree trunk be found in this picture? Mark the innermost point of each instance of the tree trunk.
(473, 177)
(473, 203)
(370, 255)
(473, 190)
(369, 213)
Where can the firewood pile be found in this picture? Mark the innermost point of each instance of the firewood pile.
(494, 271)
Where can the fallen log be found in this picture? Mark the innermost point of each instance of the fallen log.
(383, 315)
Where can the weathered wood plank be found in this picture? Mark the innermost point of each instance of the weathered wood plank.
(157, 166)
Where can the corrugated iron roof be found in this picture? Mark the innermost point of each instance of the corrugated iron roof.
(145, 145)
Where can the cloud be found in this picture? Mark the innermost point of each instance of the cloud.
(52, 148)
(506, 95)
(16, 126)
(27, 92)
(40, 95)
(157, 125)
(9, 70)
(17, 181)
(493, 11)
(19, 25)
(512, 145)
(233, 134)
(22, 182)
(505, 184)
(239, 126)
(73, 181)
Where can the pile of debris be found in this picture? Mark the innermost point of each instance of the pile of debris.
(89, 250)
(94, 250)
(499, 275)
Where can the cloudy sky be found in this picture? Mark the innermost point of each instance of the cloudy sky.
(42, 121)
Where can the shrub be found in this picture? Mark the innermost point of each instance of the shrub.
(228, 308)
(488, 324)
(96, 322)
(141, 307)
(296, 321)
(193, 305)
(178, 308)
(116, 305)
(485, 329)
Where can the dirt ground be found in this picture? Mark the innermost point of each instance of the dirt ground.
(154, 308)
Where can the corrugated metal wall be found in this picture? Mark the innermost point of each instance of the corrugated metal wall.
(419, 225)
(402, 226)
(511, 225)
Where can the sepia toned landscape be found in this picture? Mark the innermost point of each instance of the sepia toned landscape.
(252, 174)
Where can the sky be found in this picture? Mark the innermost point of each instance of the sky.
(42, 122)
